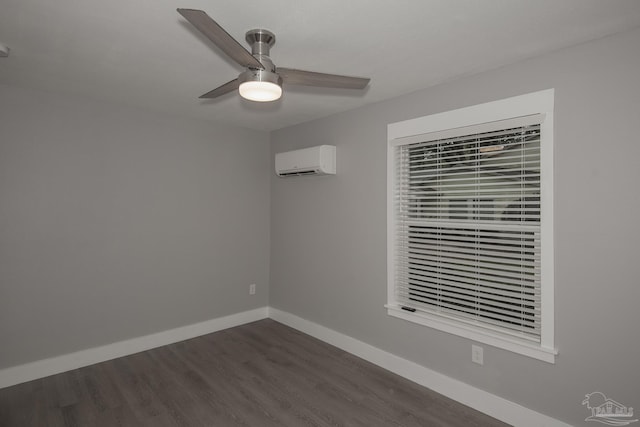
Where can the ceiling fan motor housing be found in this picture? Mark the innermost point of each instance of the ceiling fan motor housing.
(265, 75)
(261, 42)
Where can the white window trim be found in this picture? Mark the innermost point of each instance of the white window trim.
(541, 102)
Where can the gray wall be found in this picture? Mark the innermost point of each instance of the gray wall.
(328, 246)
(116, 223)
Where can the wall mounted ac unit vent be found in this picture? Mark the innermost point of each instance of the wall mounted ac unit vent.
(320, 160)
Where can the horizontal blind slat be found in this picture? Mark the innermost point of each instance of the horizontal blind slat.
(484, 312)
(479, 293)
(501, 285)
(470, 302)
(501, 126)
(488, 273)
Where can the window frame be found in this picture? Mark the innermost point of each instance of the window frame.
(541, 102)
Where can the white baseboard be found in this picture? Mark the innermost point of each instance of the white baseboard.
(55, 365)
(490, 404)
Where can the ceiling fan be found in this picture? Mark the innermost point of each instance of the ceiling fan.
(262, 80)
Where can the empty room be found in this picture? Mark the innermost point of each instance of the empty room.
(319, 213)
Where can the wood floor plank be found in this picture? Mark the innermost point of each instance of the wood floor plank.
(221, 373)
(136, 393)
(262, 374)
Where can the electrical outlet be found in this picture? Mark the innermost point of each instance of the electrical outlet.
(252, 289)
(477, 355)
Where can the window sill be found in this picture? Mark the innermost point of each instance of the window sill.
(467, 331)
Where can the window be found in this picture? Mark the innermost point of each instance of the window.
(470, 223)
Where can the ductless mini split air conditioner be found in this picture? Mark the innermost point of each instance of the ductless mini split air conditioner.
(320, 160)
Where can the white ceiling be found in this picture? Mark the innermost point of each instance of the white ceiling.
(143, 53)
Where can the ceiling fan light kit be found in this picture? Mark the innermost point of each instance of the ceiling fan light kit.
(260, 91)
(261, 81)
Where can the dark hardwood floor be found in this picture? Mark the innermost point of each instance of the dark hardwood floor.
(260, 374)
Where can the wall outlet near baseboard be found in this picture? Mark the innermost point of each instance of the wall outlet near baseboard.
(252, 289)
(477, 355)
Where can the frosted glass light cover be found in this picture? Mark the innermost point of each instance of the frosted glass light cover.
(260, 91)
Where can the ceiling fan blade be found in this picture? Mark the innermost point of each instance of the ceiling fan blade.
(311, 78)
(221, 90)
(220, 37)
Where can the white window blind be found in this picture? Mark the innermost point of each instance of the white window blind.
(467, 233)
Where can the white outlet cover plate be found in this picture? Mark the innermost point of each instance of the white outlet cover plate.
(477, 355)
